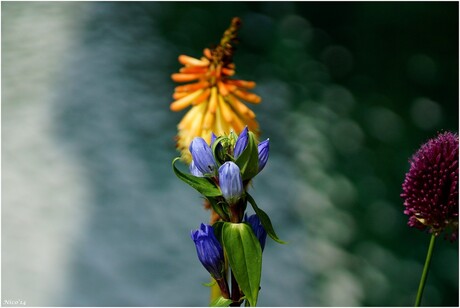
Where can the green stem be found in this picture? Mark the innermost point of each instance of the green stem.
(425, 271)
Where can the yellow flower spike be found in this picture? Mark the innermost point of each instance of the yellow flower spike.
(189, 61)
(226, 111)
(249, 97)
(214, 96)
(219, 126)
(192, 86)
(208, 120)
(188, 118)
(213, 101)
(185, 101)
(241, 108)
(203, 97)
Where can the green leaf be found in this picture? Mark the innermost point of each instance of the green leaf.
(203, 185)
(245, 257)
(218, 208)
(217, 228)
(209, 284)
(264, 219)
(221, 302)
(218, 149)
(248, 161)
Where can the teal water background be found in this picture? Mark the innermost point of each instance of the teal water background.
(92, 214)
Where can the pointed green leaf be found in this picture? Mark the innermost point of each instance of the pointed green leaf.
(218, 149)
(203, 185)
(245, 257)
(218, 207)
(209, 284)
(221, 302)
(248, 161)
(217, 228)
(264, 219)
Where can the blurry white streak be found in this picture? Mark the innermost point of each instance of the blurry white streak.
(41, 206)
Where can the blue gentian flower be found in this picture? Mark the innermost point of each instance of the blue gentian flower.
(263, 149)
(194, 170)
(213, 138)
(230, 182)
(202, 156)
(209, 250)
(241, 143)
(257, 227)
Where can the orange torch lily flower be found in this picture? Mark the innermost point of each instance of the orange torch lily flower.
(216, 100)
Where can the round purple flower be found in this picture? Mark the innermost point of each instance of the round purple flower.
(430, 189)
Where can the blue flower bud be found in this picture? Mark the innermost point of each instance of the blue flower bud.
(263, 149)
(209, 250)
(257, 227)
(194, 170)
(213, 138)
(241, 143)
(230, 182)
(202, 156)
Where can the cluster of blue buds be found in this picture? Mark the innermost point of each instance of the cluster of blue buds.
(222, 164)
(209, 250)
(221, 172)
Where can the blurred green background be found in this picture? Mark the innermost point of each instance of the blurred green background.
(92, 214)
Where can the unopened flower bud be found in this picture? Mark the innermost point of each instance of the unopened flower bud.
(241, 143)
(258, 229)
(213, 138)
(202, 156)
(209, 250)
(263, 149)
(194, 170)
(230, 182)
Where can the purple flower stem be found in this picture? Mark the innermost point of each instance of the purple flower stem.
(236, 293)
(235, 214)
(222, 282)
(425, 271)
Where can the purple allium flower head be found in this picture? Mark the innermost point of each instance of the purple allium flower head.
(263, 148)
(209, 250)
(230, 182)
(241, 143)
(202, 156)
(257, 227)
(430, 189)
